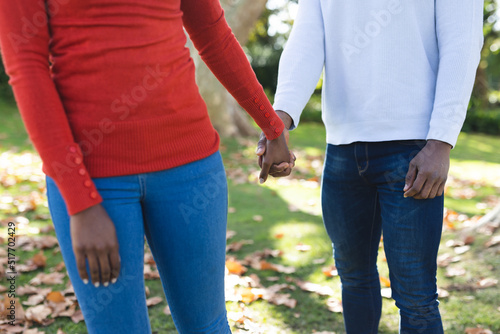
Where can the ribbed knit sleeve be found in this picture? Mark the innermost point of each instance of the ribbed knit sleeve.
(211, 35)
(24, 43)
(302, 61)
(459, 28)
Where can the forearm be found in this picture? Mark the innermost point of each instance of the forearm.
(219, 49)
(460, 38)
(302, 61)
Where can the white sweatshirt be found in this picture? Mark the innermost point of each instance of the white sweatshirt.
(394, 69)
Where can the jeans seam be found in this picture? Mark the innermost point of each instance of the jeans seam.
(370, 247)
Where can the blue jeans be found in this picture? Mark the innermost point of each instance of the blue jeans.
(362, 194)
(183, 214)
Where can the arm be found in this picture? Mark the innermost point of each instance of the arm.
(25, 51)
(302, 61)
(207, 27)
(459, 28)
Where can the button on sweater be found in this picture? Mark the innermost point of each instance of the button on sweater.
(107, 87)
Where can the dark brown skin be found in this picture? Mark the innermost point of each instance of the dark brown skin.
(428, 171)
(94, 239)
(275, 169)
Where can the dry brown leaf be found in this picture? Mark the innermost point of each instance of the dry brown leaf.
(283, 299)
(77, 316)
(235, 267)
(49, 279)
(230, 234)
(166, 310)
(456, 271)
(153, 301)
(56, 297)
(477, 331)
(9, 329)
(59, 331)
(334, 305)
(495, 240)
(316, 288)
(34, 300)
(6, 305)
(39, 259)
(462, 249)
(32, 331)
(247, 296)
(257, 218)
(38, 313)
(149, 273)
(487, 283)
(330, 271)
(237, 245)
(385, 281)
(303, 248)
(442, 293)
(279, 235)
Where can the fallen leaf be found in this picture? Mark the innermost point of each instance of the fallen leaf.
(462, 249)
(279, 235)
(77, 317)
(56, 297)
(230, 234)
(334, 305)
(49, 279)
(477, 331)
(39, 259)
(457, 271)
(59, 331)
(166, 310)
(38, 313)
(257, 218)
(34, 300)
(316, 288)
(235, 267)
(442, 293)
(303, 248)
(495, 240)
(486, 283)
(385, 281)
(153, 301)
(237, 245)
(330, 271)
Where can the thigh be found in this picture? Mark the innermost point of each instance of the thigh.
(120, 307)
(185, 211)
(412, 232)
(350, 212)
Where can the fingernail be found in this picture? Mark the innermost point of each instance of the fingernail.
(96, 284)
(113, 281)
(85, 281)
(261, 180)
(258, 150)
(106, 284)
(405, 188)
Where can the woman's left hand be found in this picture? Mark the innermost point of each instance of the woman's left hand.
(274, 154)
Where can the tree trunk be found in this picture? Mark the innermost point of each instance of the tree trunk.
(226, 115)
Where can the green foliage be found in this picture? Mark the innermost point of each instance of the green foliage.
(5, 90)
(487, 122)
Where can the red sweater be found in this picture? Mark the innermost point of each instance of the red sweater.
(118, 95)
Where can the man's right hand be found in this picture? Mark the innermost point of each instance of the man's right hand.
(94, 239)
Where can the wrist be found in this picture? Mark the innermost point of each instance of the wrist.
(439, 144)
(287, 119)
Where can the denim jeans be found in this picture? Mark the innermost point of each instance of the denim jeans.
(362, 194)
(183, 214)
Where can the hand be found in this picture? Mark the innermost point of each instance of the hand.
(428, 171)
(276, 169)
(94, 238)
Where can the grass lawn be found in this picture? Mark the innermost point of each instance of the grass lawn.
(283, 214)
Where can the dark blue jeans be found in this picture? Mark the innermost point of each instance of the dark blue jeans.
(362, 194)
(183, 213)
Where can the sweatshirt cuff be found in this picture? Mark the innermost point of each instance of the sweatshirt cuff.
(291, 109)
(65, 166)
(261, 110)
(444, 130)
